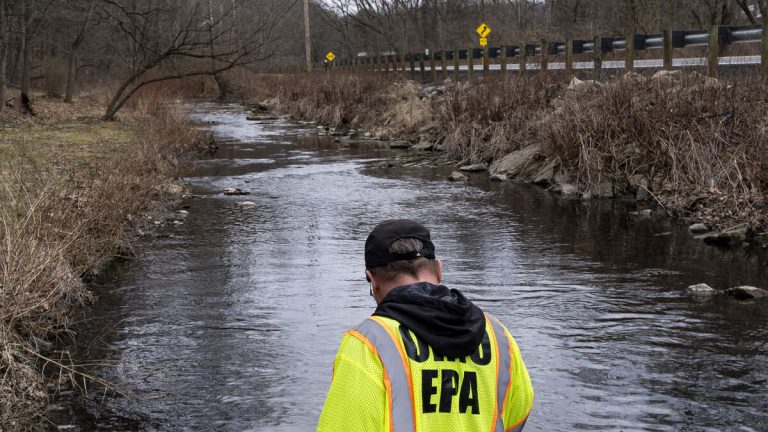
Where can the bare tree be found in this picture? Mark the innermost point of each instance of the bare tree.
(3, 52)
(73, 54)
(32, 14)
(172, 40)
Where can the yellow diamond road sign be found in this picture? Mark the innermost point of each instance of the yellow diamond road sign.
(483, 42)
(330, 56)
(483, 30)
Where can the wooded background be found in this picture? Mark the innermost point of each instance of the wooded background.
(61, 46)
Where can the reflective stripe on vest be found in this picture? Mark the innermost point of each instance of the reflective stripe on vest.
(503, 380)
(402, 405)
(402, 419)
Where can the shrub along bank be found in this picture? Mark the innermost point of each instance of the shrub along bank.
(692, 146)
(72, 195)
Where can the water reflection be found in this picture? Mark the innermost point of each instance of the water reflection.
(233, 323)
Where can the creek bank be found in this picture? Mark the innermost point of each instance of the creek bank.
(79, 197)
(644, 139)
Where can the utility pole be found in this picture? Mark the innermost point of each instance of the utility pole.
(307, 39)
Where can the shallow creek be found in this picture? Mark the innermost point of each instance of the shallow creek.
(232, 323)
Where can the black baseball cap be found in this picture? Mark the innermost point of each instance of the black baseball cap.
(377, 252)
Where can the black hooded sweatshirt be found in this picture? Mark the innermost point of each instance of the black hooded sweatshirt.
(443, 318)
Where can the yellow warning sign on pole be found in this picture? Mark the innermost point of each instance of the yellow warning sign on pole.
(483, 30)
(330, 56)
(483, 42)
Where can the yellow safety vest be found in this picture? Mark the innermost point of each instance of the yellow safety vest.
(386, 379)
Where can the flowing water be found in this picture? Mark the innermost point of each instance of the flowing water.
(232, 322)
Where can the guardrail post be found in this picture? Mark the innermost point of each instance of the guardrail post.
(569, 56)
(598, 55)
(544, 55)
(713, 50)
(629, 53)
(503, 60)
(421, 66)
(764, 51)
(486, 62)
(668, 49)
(523, 58)
(470, 63)
(443, 67)
(432, 65)
(456, 65)
(412, 65)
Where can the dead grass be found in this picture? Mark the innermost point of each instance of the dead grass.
(70, 195)
(343, 100)
(486, 120)
(700, 143)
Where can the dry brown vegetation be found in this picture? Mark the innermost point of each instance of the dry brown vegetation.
(699, 143)
(334, 100)
(65, 209)
(485, 121)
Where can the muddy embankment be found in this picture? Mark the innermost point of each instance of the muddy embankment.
(75, 194)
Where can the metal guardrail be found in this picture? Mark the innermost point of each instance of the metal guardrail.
(667, 41)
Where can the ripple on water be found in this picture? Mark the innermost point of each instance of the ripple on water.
(234, 323)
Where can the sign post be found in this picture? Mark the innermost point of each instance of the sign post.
(483, 31)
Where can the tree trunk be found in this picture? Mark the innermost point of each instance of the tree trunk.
(26, 40)
(218, 79)
(72, 72)
(3, 51)
(71, 75)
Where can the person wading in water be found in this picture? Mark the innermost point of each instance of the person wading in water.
(428, 359)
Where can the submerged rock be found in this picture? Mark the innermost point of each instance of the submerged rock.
(746, 293)
(235, 191)
(726, 238)
(400, 145)
(700, 290)
(246, 203)
(698, 228)
(456, 176)
(643, 213)
(261, 117)
(474, 168)
(567, 189)
(499, 177)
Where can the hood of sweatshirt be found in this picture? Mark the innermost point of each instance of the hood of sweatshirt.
(443, 318)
